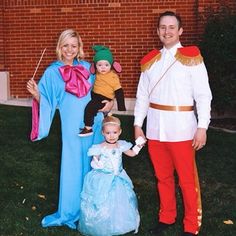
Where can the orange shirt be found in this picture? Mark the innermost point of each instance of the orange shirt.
(107, 84)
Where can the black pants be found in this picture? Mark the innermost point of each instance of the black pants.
(92, 108)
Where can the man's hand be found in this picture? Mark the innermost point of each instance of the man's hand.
(138, 132)
(200, 138)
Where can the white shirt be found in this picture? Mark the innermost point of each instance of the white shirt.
(181, 86)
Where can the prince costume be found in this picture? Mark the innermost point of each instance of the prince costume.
(171, 82)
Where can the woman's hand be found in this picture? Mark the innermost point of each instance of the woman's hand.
(108, 106)
(32, 87)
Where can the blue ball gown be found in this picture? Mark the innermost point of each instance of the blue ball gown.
(108, 202)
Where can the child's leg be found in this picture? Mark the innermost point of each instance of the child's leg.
(91, 111)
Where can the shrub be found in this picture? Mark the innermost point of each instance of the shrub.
(219, 51)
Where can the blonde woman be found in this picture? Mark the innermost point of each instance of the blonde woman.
(66, 85)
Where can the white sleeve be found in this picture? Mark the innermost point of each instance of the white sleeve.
(142, 100)
(202, 94)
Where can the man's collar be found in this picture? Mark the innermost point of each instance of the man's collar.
(172, 50)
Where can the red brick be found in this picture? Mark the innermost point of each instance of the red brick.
(127, 27)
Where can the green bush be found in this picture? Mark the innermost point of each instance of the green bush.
(219, 51)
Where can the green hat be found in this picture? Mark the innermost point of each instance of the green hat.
(102, 53)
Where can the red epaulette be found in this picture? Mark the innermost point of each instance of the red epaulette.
(149, 59)
(189, 56)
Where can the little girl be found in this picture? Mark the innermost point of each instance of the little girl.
(108, 202)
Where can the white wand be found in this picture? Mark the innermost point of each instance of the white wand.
(38, 63)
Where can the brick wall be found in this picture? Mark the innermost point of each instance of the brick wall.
(128, 27)
(1, 38)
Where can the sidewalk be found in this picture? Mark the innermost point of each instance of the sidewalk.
(17, 102)
(213, 125)
(27, 103)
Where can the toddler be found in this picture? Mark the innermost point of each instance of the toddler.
(108, 202)
(106, 87)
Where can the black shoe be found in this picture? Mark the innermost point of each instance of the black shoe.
(160, 228)
(85, 132)
(188, 234)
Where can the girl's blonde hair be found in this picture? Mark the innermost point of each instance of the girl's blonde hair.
(110, 120)
(69, 33)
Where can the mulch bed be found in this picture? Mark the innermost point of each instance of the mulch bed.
(225, 124)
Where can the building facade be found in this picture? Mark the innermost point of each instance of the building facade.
(128, 27)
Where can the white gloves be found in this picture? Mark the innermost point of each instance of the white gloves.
(96, 164)
(139, 142)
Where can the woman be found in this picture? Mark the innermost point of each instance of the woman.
(66, 85)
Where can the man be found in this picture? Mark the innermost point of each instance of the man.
(172, 81)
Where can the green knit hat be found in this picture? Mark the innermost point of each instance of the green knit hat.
(102, 53)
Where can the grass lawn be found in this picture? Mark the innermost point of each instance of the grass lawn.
(29, 180)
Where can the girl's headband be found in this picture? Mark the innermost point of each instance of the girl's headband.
(111, 123)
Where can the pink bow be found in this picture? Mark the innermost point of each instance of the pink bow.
(76, 79)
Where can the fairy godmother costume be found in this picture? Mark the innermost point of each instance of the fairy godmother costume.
(68, 89)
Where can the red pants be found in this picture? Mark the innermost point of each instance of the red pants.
(167, 157)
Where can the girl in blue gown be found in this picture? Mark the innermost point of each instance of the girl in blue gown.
(108, 202)
(66, 85)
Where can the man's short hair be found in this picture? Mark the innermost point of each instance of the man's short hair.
(171, 13)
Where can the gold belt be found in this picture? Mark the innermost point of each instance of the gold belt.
(171, 108)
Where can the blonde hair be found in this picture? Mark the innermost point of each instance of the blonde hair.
(110, 120)
(69, 33)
